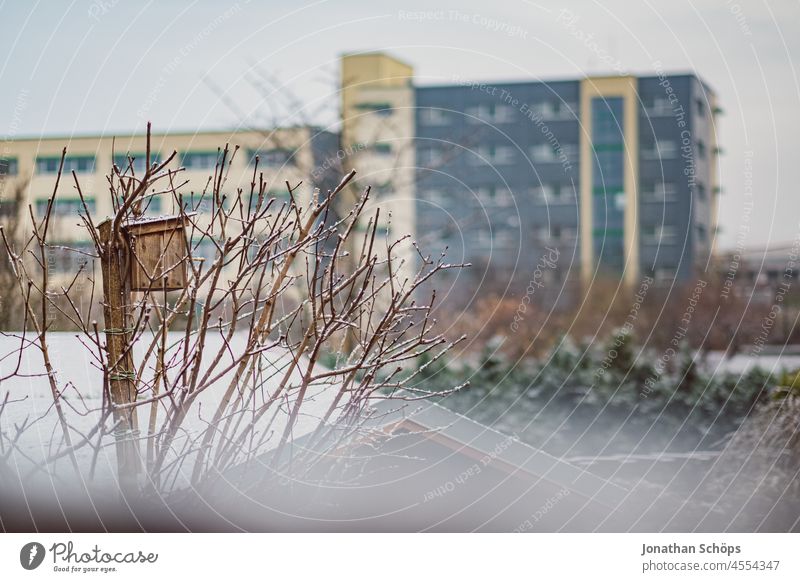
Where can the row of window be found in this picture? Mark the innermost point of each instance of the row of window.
(197, 160)
(489, 239)
(380, 108)
(552, 193)
(660, 234)
(545, 153)
(565, 193)
(66, 206)
(556, 233)
(74, 256)
(70, 206)
(668, 150)
(551, 153)
(429, 155)
(193, 202)
(544, 110)
(71, 258)
(660, 106)
(499, 113)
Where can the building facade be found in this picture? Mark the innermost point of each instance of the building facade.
(615, 173)
(606, 176)
(616, 176)
(30, 166)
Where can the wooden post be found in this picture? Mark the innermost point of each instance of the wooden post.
(121, 373)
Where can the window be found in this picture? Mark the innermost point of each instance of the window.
(563, 110)
(152, 205)
(503, 238)
(490, 113)
(71, 257)
(664, 275)
(660, 234)
(434, 196)
(557, 233)
(197, 202)
(660, 150)
(382, 109)
(66, 206)
(272, 158)
(567, 233)
(433, 117)
(543, 153)
(500, 197)
(492, 155)
(429, 155)
(607, 120)
(554, 193)
(567, 152)
(483, 238)
(122, 161)
(280, 197)
(657, 106)
(608, 167)
(554, 109)
(204, 249)
(382, 148)
(667, 231)
(78, 164)
(200, 160)
(8, 167)
(542, 109)
(659, 191)
(666, 149)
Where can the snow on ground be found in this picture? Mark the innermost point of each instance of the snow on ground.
(742, 363)
(30, 400)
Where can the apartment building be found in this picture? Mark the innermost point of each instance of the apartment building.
(29, 168)
(617, 174)
(377, 139)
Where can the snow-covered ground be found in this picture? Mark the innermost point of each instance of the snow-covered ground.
(718, 362)
(30, 401)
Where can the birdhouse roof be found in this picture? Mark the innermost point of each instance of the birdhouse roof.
(157, 219)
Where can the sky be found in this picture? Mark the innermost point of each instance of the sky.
(110, 66)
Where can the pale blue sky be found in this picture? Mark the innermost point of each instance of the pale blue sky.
(110, 65)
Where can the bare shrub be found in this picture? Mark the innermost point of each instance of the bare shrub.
(211, 375)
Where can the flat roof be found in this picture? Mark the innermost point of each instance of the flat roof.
(466, 82)
(178, 133)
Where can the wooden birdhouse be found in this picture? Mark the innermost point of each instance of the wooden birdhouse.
(158, 251)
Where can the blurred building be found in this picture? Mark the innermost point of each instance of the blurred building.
(377, 139)
(617, 174)
(611, 175)
(761, 274)
(29, 169)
